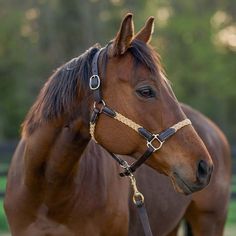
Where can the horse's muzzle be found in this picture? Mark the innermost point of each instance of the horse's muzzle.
(203, 176)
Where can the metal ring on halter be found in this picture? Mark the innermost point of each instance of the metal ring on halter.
(125, 165)
(101, 102)
(150, 143)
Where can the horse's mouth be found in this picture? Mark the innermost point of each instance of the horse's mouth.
(180, 185)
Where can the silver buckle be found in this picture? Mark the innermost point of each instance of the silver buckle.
(91, 80)
(150, 143)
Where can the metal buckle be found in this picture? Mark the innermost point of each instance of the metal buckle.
(155, 137)
(94, 77)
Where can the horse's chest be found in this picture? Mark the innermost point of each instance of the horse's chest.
(100, 218)
(93, 222)
(45, 226)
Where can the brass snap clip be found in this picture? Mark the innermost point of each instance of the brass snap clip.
(138, 198)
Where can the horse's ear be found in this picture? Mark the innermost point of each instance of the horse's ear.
(124, 36)
(145, 34)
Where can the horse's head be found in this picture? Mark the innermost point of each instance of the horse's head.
(134, 85)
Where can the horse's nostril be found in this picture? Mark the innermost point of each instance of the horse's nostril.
(203, 171)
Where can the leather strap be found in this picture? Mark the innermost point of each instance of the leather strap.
(132, 168)
(95, 82)
(163, 136)
(142, 212)
(145, 133)
(116, 158)
(166, 134)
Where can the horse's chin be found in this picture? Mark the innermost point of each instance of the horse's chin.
(180, 186)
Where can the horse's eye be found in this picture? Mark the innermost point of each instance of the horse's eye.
(146, 92)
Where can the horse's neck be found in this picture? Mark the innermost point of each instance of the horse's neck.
(96, 167)
(98, 178)
(53, 151)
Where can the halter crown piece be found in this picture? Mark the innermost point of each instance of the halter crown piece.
(100, 107)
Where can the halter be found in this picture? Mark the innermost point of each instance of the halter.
(100, 107)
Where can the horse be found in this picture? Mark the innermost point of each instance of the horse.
(53, 187)
(206, 210)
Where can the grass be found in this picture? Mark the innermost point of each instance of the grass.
(3, 222)
(2, 184)
(231, 220)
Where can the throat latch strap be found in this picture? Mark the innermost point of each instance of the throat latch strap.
(94, 81)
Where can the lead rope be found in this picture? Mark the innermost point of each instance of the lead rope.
(138, 200)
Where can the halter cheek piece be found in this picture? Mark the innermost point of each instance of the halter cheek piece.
(154, 141)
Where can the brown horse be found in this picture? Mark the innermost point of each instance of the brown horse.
(52, 189)
(206, 210)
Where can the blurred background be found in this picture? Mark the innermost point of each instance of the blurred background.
(196, 40)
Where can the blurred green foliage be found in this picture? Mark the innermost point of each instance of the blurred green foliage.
(196, 39)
